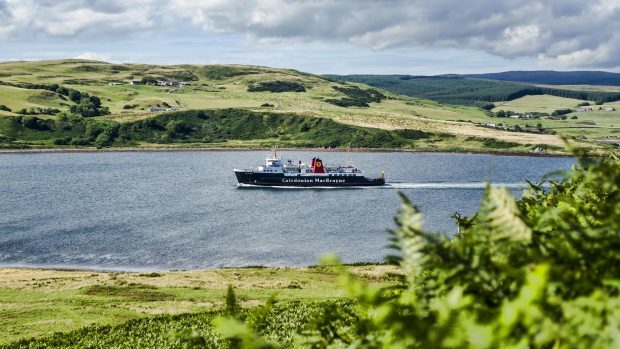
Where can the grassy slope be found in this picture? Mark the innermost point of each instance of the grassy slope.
(231, 91)
(599, 125)
(539, 103)
(463, 91)
(35, 302)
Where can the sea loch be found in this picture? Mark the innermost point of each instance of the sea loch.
(184, 210)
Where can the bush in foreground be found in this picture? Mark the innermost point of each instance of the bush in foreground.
(276, 322)
(541, 272)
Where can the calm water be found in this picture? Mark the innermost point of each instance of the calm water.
(183, 210)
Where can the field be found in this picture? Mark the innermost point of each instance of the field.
(223, 87)
(596, 125)
(595, 88)
(36, 302)
(539, 104)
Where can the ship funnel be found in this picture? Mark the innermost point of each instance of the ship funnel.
(317, 166)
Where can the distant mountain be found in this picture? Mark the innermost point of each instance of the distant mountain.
(549, 77)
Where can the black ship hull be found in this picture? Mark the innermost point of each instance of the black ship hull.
(280, 180)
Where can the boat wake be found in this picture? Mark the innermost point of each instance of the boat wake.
(452, 185)
(397, 185)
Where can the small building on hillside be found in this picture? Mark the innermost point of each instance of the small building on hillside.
(165, 83)
(156, 109)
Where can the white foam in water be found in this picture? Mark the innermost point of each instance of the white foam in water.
(431, 185)
(453, 185)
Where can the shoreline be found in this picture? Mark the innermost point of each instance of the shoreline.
(232, 149)
(138, 270)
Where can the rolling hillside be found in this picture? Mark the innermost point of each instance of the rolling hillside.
(460, 90)
(78, 103)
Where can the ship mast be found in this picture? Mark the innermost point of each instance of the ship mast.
(349, 161)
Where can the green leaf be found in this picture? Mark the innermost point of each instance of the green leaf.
(502, 215)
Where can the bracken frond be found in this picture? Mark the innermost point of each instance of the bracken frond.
(410, 240)
(502, 215)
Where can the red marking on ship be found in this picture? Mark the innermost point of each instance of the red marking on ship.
(317, 166)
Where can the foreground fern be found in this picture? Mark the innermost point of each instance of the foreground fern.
(542, 271)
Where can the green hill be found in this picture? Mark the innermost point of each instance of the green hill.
(484, 93)
(80, 103)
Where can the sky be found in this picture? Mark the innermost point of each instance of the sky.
(418, 37)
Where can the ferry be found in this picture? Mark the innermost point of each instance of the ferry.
(279, 172)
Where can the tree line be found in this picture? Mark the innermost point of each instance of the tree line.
(466, 91)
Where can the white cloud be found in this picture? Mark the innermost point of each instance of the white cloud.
(94, 56)
(76, 18)
(569, 32)
(560, 30)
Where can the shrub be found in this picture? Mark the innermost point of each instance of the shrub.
(39, 111)
(80, 141)
(277, 86)
(35, 123)
(181, 75)
(106, 137)
(5, 108)
(487, 106)
(89, 106)
(348, 102)
(356, 97)
(149, 80)
(62, 141)
(494, 143)
(232, 308)
(75, 96)
(177, 128)
(413, 134)
(561, 112)
(219, 72)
